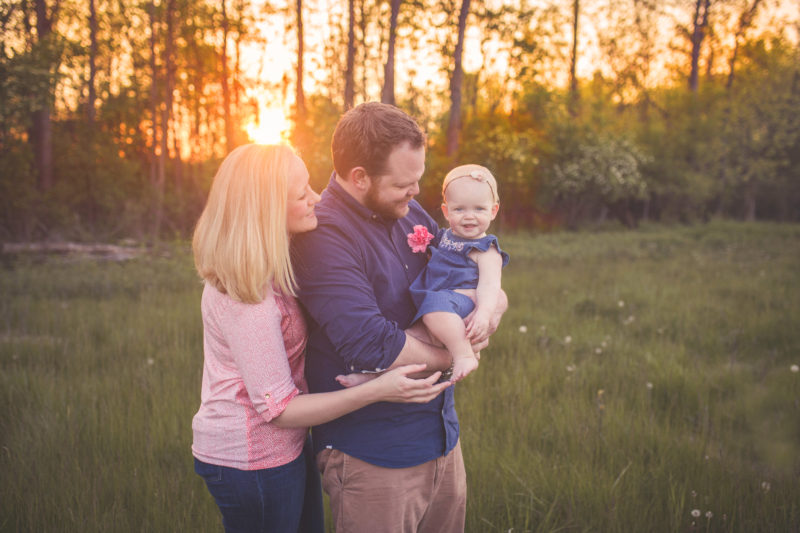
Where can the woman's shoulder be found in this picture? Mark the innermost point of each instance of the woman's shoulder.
(218, 303)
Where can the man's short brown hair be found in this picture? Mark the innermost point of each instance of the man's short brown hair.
(368, 133)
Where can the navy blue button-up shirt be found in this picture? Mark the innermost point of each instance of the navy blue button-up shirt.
(354, 272)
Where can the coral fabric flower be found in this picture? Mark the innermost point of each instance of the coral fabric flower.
(418, 241)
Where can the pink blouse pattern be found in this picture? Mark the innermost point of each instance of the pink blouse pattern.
(253, 367)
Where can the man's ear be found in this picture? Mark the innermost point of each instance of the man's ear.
(495, 208)
(358, 177)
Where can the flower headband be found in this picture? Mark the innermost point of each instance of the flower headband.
(476, 172)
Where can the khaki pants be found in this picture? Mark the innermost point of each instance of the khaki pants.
(427, 498)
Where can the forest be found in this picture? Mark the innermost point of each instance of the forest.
(114, 114)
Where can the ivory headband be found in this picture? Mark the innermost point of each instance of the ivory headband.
(475, 172)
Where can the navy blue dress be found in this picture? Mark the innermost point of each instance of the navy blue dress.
(450, 268)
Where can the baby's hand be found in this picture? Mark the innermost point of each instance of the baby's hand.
(478, 326)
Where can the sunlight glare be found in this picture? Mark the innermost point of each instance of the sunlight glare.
(272, 127)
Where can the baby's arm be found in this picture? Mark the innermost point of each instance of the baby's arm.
(487, 294)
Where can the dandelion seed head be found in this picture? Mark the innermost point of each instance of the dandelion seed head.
(523, 329)
(649, 385)
(567, 339)
(709, 514)
(598, 351)
(570, 368)
(696, 513)
(765, 486)
(795, 369)
(621, 304)
(150, 361)
(604, 344)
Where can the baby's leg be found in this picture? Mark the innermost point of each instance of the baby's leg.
(449, 329)
(356, 378)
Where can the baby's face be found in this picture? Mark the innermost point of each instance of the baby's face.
(469, 207)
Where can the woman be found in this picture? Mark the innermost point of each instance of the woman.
(250, 430)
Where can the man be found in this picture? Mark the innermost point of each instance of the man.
(388, 467)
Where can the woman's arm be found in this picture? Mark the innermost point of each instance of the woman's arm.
(392, 386)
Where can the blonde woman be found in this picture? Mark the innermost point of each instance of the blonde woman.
(251, 428)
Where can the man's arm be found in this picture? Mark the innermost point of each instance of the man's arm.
(335, 291)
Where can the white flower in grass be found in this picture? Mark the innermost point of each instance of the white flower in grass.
(649, 385)
(795, 369)
(523, 329)
(567, 339)
(709, 514)
(621, 304)
(696, 513)
(150, 361)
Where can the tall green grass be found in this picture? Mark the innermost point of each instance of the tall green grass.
(637, 377)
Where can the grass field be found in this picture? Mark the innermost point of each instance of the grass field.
(638, 378)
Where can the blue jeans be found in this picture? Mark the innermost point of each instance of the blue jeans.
(283, 499)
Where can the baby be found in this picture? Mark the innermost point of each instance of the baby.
(464, 266)
(466, 262)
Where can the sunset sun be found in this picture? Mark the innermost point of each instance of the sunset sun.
(271, 127)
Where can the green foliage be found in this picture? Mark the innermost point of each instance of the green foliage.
(605, 170)
(689, 332)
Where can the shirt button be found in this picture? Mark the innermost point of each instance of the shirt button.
(266, 396)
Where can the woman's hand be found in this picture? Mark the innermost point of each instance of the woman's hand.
(395, 385)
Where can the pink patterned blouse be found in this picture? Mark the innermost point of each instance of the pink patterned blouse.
(254, 356)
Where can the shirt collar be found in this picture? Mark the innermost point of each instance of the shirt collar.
(361, 210)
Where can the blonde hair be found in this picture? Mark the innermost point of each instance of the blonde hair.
(241, 242)
(476, 172)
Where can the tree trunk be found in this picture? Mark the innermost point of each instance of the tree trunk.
(699, 25)
(226, 92)
(745, 20)
(42, 127)
(300, 96)
(90, 110)
(158, 153)
(454, 123)
(387, 94)
(349, 75)
(573, 80)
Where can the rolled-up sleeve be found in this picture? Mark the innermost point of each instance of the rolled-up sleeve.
(341, 299)
(253, 333)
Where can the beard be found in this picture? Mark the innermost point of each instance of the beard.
(397, 209)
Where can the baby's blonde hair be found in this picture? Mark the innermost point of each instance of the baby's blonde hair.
(475, 172)
(241, 242)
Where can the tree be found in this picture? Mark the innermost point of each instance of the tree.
(456, 79)
(573, 79)
(387, 93)
(42, 128)
(745, 20)
(698, 33)
(224, 81)
(300, 97)
(349, 74)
